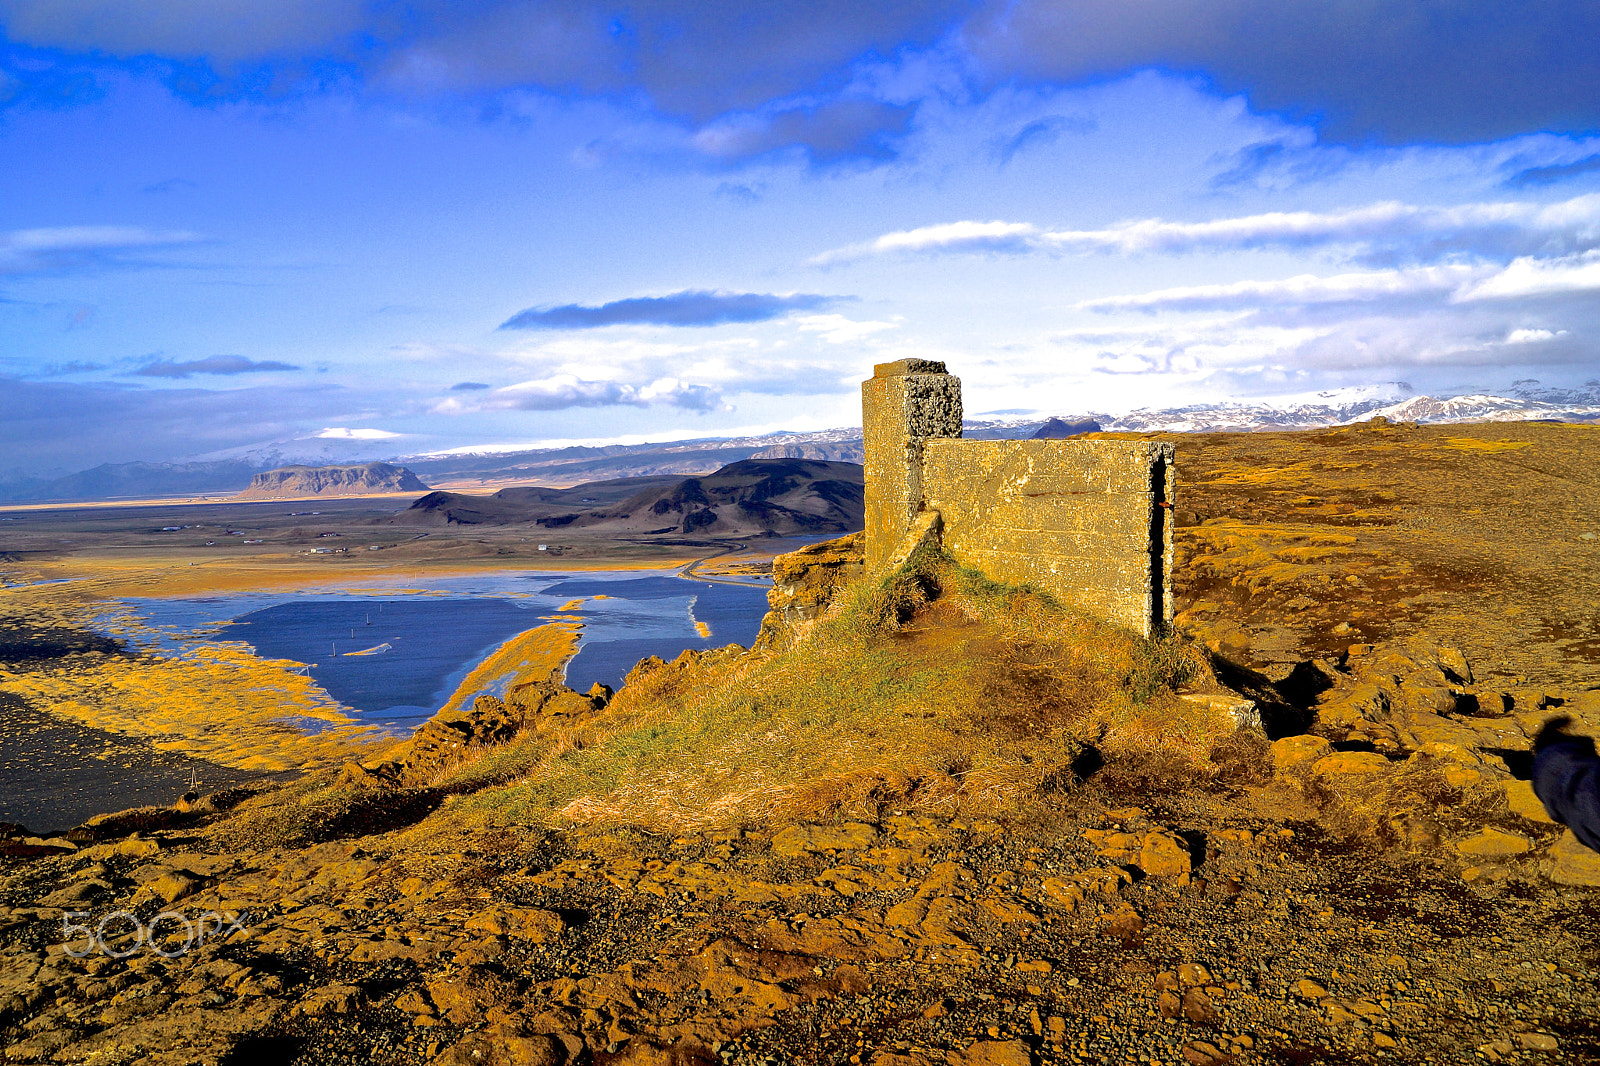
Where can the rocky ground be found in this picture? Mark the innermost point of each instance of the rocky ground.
(1307, 904)
(1366, 878)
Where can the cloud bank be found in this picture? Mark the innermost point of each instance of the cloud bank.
(63, 249)
(559, 392)
(1494, 229)
(691, 307)
(216, 364)
(1376, 72)
(347, 433)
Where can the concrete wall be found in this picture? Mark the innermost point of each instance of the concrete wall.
(902, 404)
(1080, 519)
(1087, 521)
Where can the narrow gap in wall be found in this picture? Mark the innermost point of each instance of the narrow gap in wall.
(1159, 517)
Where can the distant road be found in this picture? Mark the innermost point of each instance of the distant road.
(692, 571)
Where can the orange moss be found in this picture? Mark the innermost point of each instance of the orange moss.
(218, 702)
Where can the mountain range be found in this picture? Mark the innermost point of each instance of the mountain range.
(1528, 401)
(752, 497)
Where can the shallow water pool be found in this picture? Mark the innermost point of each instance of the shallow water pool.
(395, 650)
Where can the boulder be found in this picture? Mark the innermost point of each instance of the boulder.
(1524, 803)
(1350, 764)
(1381, 695)
(166, 889)
(1493, 844)
(1164, 854)
(1297, 753)
(992, 1053)
(800, 839)
(1573, 863)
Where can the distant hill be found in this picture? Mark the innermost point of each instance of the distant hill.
(752, 497)
(674, 460)
(110, 481)
(847, 452)
(358, 479)
(1056, 429)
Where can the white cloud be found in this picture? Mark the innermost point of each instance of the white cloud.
(347, 433)
(1488, 229)
(837, 329)
(965, 236)
(1528, 276)
(562, 391)
(1300, 289)
(55, 248)
(1533, 336)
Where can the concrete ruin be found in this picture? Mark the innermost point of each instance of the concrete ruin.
(1088, 521)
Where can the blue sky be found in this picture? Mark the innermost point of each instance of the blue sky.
(402, 227)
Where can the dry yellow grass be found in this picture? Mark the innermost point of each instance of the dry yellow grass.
(1473, 444)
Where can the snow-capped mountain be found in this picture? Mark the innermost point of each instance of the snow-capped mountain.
(1486, 409)
(1339, 408)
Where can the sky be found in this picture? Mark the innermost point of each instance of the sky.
(397, 227)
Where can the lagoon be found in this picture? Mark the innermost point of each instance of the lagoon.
(394, 650)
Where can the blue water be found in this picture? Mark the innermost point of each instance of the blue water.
(422, 636)
(426, 639)
(643, 617)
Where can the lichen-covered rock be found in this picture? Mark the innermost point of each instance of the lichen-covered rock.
(992, 1053)
(1294, 753)
(166, 889)
(1522, 801)
(1399, 696)
(1574, 864)
(1164, 854)
(1493, 844)
(799, 839)
(1349, 763)
(448, 737)
(804, 583)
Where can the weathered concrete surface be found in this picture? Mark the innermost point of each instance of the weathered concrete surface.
(1087, 521)
(903, 404)
(1083, 520)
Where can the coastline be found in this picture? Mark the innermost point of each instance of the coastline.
(217, 710)
(56, 773)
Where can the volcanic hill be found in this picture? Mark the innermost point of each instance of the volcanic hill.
(753, 497)
(360, 479)
(928, 819)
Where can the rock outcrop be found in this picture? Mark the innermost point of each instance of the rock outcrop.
(454, 736)
(804, 582)
(361, 479)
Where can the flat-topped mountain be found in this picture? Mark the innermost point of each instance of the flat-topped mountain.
(358, 479)
(753, 497)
